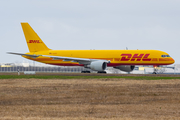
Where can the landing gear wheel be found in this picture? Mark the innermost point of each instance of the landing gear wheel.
(154, 73)
(102, 72)
(85, 72)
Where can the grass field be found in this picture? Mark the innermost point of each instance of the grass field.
(87, 76)
(89, 97)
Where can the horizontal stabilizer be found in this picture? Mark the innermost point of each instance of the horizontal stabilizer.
(33, 56)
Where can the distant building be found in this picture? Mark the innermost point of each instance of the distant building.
(22, 67)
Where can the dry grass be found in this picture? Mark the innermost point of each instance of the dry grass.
(80, 99)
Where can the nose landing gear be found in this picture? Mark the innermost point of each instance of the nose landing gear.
(85, 71)
(155, 69)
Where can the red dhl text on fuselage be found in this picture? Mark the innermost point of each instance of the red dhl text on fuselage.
(116, 57)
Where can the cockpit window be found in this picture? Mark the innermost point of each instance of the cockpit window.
(165, 56)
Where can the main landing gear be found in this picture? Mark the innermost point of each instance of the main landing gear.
(90, 72)
(102, 72)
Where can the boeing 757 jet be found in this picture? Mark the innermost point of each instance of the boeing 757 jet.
(97, 60)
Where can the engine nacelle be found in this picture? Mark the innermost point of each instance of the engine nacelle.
(98, 65)
(125, 68)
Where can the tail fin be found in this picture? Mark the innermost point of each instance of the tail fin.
(34, 42)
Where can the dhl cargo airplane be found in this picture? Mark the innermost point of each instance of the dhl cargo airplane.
(97, 60)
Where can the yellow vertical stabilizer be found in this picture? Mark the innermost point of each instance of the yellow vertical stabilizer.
(34, 42)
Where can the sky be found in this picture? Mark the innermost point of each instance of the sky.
(91, 24)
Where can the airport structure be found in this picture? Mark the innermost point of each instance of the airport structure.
(23, 67)
(32, 67)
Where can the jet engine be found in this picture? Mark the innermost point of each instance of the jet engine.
(98, 65)
(125, 68)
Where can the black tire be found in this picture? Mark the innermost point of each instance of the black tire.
(154, 73)
(85, 72)
(102, 72)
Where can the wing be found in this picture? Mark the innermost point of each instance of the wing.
(72, 59)
(84, 61)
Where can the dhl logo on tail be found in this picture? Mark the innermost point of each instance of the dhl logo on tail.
(136, 57)
(34, 41)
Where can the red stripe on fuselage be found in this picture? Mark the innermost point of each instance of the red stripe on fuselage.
(109, 64)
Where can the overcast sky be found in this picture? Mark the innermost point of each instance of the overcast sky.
(91, 24)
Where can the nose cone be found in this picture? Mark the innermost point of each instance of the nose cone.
(172, 60)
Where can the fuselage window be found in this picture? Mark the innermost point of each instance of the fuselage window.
(165, 56)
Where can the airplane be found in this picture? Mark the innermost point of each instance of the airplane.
(96, 60)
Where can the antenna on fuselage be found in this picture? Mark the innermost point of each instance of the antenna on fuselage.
(126, 48)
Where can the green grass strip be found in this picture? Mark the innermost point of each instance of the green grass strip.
(83, 77)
